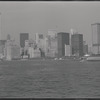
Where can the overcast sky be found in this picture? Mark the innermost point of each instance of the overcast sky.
(32, 17)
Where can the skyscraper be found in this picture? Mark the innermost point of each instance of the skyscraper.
(62, 40)
(77, 44)
(51, 43)
(0, 26)
(95, 38)
(23, 37)
(39, 39)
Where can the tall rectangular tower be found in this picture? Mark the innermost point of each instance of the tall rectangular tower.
(0, 26)
(62, 40)
(95, 38)
(77, 44)
(23, 37)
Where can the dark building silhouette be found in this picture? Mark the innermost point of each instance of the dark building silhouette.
(23, 37)
(2, 46)
(77, 44)
(62, 39)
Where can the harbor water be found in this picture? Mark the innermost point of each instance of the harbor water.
(49, 79)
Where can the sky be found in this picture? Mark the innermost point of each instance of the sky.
(40, 16)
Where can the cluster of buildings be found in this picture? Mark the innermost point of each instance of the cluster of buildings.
(52, 44)
(71, 45)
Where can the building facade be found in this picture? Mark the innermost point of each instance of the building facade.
(77, 44)
(67, 50)
(23, 37)
(12, 51)
(95, 38)
(34, 53)
(2, 46)
(85, 48)
(62, 40)
(51, 50)
(40, 42)
(39, 39)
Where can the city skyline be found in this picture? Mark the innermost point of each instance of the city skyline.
(39, 17)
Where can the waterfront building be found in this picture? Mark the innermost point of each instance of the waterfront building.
(34, 53)
(2, 41)
(39, 39)
(62, 40)
(31, 49)
(11, 51)
(21, 52)
(40, 43)
(85, 48)
(72, 31)
(23, 37)
(67, 50)
(26, 43)
(8, 37)
(95, 38)
(32, 42)
(31, 52)
(26, 47)
(2, 46)
(77, 44)
(0, 26)
(45, 45)
(51, 50)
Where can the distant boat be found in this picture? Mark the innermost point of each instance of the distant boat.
(93, 58)
(86, 55)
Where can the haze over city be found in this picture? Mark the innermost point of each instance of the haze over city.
(38, 17)
(41, 57)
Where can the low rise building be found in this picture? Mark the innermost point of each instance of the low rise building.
(34, 53)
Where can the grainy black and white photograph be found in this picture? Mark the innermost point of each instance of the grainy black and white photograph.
(49, 49)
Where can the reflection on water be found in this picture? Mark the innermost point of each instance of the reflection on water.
(49, 79)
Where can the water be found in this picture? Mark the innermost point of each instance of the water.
(49, 79)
